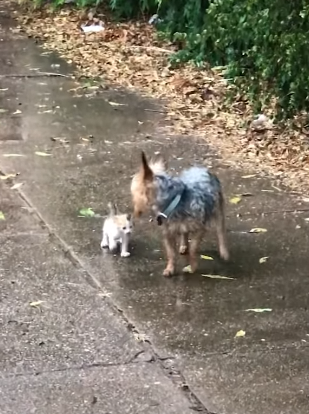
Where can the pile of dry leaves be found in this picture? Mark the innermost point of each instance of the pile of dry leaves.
(130, 54)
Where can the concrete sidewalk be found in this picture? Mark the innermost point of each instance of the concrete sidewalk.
(77, 351)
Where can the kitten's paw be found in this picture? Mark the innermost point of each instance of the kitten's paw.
(125, 254)
(104, 246)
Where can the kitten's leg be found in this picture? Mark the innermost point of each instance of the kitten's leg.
(104, 242)
(112, 245)
(125, 246)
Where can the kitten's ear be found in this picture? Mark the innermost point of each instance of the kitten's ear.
(147, 172)
(129, 217)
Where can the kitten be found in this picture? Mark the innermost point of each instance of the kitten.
(117, 230)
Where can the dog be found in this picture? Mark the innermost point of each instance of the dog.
(185, 206)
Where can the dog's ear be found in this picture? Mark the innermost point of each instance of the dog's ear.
(147, 172)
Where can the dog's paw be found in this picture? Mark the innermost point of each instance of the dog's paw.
(224, 254)
(183, 249)
(168, 271)
(125, 254)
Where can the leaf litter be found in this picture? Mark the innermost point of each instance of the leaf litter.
(16, 186)
(36, 304)
(219, 277)
(204, 257)
(259, 310)
(258, 230)
(86, 212)
(131, 55)
(13, 155)
(42, 154)
(235, 200)
(240, 334)
(7, 176)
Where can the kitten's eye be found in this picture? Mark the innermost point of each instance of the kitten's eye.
(131, 227)
(123, 228)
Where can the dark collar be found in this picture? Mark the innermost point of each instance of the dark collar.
(163, 215)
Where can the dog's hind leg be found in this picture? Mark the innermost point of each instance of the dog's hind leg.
(194, 245)
(221, 229)
(184, 243)
(170, 247)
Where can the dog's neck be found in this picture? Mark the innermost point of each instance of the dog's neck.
(168, 189)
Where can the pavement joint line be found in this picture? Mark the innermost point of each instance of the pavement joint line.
(264, 213)
(37, 75)
(181, 384)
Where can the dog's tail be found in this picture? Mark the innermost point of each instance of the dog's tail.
(113, 209)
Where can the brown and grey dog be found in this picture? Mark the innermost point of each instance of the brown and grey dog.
(184, 205)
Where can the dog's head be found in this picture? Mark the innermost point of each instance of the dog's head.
(143, 187)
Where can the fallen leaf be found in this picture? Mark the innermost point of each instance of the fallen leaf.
(263, 259)
(86, 212)
(13, 155)
(187, 269)
(36, 303)
(2, 111)
(7, 176)
(218, 277)
(4, 89)
(258, 230)
(48, 111)
(42, 154)
(116, 103)
(259, 310)
(206, 257)
(16, 186)
(306, 199)
(17, 112)
(249, 176)
(307, 219)
(140, 337)
(240, 334)
(2, 216)
(235, 200)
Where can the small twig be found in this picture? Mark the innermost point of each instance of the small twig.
(160, 111)
(159, 49)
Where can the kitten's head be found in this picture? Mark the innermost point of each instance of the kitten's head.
(126, 223)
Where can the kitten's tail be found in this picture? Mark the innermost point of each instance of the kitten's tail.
(113, 209)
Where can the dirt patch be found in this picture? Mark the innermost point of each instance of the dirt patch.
(131, 55)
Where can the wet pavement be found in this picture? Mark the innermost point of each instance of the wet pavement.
(191, 359)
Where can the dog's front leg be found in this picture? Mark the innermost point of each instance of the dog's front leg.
(170, 247)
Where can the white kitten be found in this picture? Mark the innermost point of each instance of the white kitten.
(117, 230)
